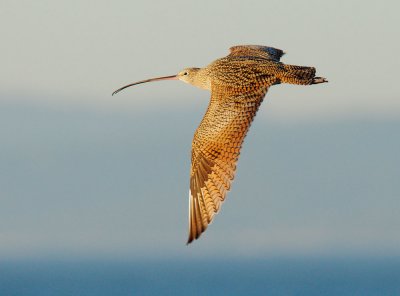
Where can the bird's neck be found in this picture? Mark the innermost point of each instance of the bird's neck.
(201, 79)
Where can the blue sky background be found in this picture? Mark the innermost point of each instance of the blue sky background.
(86, 174)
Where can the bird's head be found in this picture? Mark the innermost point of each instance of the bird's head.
(195, 76)
(188, 75)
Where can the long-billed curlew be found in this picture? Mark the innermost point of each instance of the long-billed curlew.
(238, 84)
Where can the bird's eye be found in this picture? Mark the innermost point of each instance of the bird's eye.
(186, 73)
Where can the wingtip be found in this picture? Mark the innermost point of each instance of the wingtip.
(191, 239)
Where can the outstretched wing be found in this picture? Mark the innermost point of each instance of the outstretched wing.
(260, 51)
(215, 152)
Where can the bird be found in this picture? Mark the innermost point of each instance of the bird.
(238, 83)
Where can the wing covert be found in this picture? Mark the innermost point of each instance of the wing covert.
(260, 51)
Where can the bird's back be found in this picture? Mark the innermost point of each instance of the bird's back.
(243, 72)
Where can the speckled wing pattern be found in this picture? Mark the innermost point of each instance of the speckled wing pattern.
(215, 152)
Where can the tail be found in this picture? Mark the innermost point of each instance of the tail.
(299, 75)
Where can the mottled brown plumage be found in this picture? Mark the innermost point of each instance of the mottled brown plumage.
(238, 84)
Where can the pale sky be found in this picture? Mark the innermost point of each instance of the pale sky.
(85, 49)
(86, 173)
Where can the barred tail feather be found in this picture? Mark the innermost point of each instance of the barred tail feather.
(300, 75)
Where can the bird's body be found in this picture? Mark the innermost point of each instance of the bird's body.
(238, 84)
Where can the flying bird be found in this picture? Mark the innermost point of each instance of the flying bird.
(238, 84)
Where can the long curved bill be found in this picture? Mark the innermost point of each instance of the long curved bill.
(172, 77)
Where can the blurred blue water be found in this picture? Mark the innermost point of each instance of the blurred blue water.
(288, 276)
